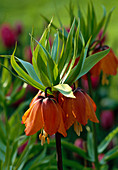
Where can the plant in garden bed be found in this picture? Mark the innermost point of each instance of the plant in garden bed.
(57, 107)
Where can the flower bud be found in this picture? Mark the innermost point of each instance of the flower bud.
(107, 119)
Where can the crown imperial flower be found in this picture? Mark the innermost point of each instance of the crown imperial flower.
(78, 110)
(44, 114)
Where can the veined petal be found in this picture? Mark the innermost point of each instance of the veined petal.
(90, 109)
(61, 129)
(34, 122)
(40, 93)
(67, 107)
(93, 103)
(51, 116)
(109, 63)
(26, 115)
(80, 107)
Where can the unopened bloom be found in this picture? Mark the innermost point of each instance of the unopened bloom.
(78, 110)
(44, 114)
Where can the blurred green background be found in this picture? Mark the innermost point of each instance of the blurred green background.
(28, 12)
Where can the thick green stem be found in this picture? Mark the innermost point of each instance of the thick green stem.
(97, 165)
(59, 153)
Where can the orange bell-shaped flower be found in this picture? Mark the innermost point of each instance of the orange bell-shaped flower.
(108, 65)
(78, 109)
(44, 113)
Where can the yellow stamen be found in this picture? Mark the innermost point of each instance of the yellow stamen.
(104, 79)
(77, 128)
(44, 133)
(74, 114)
(40, 136)
(42, 140)
(48, 140)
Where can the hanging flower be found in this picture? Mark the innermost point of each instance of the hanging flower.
(78, 110)
(44, 114)
(108, 65)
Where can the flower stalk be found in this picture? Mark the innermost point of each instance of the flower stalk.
(58, 149)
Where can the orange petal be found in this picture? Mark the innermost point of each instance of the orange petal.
(51, 116)
(34, 122)
(61, 129)
(109, 63)
(68, 109)
(90, 109)
(79, 106)
(26, 115)
(93, 103)
(96, 69)
(40, 93)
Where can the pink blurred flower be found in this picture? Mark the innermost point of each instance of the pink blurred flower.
(100, 36)
(67, 29)
(8, 36)
(94, 81)
(80, 144)
(107, 119)
(100, 157)
(18, 28)
(32, 89)
(22, 147)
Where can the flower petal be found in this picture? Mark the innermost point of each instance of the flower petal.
(68, 109)
(34, 122)
(80, 107)
(90, 109)
(109, 63)
(40, 93)
(51, 116)
(61, 129)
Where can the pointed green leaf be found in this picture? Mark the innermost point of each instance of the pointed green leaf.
(64, 61)
(90, 145)
(91, 61)
(30, 70)
(65, 89)
(24, 75)
(14, 74)
(93, 18)
(78, 68)
(99, 26)
(107, 22)
(107, 140)
(55, 48)
(74, 164)
(88, 22)
(111, 154)
(75, 149)
(51, 65)
(74, 56)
